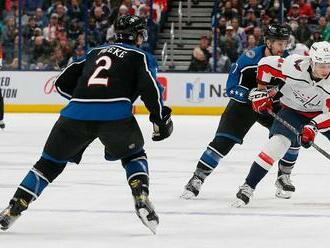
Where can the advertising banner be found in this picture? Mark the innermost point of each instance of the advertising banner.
(186, 93)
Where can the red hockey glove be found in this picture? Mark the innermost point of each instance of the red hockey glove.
(308, 134)
(261, 101)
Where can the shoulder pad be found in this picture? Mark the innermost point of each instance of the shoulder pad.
(272, 61)
(295, 66)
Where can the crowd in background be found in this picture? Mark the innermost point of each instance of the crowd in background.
(240, 26)
(53, 31)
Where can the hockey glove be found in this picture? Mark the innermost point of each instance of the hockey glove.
(162, 127)
(261, 100)
(308, 134)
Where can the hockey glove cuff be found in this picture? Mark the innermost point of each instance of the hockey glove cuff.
(261, 100)
(162, 127)
(308, 134)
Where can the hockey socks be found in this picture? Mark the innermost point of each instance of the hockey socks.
(208, 162)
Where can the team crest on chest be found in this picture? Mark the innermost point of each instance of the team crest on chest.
(250, 54)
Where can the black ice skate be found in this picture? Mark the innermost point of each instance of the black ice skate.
(191, 190)
(2, 124)
(10, 214)
(284, 187)
(243, 196)
(144, 209)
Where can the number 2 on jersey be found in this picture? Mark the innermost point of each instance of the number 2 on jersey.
(94, 79)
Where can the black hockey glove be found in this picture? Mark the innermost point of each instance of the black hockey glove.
(162, 127)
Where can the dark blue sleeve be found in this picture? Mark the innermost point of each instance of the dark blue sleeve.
(233, 88)
(67, 81)
(153, 67)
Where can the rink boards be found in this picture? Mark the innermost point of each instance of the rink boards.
(186, 93)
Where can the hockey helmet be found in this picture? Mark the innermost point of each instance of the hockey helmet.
(278, 32)
(320, 52)
(128, 27)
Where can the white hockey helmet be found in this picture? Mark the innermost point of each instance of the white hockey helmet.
(320, 52)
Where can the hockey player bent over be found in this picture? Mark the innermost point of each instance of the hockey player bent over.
(305, 105)
(101, 88)
(239, 116)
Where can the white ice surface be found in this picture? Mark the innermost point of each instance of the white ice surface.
(90, 204)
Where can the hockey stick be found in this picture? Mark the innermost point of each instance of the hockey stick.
(295, 131)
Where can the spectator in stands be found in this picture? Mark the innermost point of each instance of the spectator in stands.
(258, 36)
(28, 30)
(57, 60)
(327, 15)
(253, 5)
(305, 9)
(105, 8)
(237, 6)
(316, 37)
(230, 44)
(250, 21)
(303, 31)
(9, 33)
(77, 53)
(63, 19)
(41, 18)
(322, 5)
(101, 22)
(251, 42)
(31, 5)
(50, 32)
(222, 26)
(94, 36)
(239, 31)
(228, 12)
(265, 21)
(324, 28)
(201, 55)
(74, 30)
(294, 12)
(223, 63)
(75, 10)
(39, 53)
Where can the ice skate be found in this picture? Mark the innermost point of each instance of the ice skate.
(144, 209)
(243, 196)
(2, 124)
(191, 190)
(284, 187)
(10, 214)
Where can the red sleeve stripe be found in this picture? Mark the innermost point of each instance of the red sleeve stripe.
(324, 124)
(268, 69)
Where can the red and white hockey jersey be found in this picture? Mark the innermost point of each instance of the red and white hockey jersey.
(300, 91)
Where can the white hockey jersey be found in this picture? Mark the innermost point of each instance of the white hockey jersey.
(300, 91)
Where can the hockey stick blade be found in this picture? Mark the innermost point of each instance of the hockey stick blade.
(295, 131)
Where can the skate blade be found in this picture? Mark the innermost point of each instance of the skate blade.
(187, 195)
(283, 194)
(238, 203)
(152, 225)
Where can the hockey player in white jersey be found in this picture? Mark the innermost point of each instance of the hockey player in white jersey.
(305, 105)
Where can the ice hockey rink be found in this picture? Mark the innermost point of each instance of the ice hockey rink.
(90, 204)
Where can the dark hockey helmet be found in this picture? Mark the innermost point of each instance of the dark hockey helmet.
(278, 32)
(128, 27)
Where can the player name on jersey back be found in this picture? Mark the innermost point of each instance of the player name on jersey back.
(113, 50)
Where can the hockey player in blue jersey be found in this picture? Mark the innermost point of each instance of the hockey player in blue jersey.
(102, 88)
(239, 116)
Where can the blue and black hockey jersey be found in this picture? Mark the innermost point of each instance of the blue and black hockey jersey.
(243, 74)
(104, 84)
